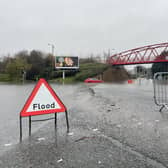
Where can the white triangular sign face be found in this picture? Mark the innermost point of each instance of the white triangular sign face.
(42, 100)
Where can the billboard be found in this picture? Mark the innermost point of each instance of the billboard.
(66, 62)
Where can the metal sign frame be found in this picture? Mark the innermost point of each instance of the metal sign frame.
(30, 123)
(160, 83)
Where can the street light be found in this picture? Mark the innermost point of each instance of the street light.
(52, 58)
(52, 48)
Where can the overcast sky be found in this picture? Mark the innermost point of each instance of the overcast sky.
(79, 27)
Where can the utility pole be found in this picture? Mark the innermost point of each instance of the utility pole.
(52, 58)
(109, 53)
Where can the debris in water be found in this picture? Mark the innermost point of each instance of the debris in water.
(41, 139)
(60, 160)
(92, 91)
(118, 126)
(96, 129)
(70, 133)
(139, 124)
(112, 104)
(9, 144)
(83, 138)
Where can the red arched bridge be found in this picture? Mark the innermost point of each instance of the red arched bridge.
(142, 55)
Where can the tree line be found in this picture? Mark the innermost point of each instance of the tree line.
(34, 64)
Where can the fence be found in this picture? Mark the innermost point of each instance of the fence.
(160, 82)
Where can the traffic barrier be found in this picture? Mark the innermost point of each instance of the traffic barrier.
(160, 82)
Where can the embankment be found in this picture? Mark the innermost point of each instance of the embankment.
(115, 74)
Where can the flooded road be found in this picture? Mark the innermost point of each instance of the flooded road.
(110, 126)
(12, 100)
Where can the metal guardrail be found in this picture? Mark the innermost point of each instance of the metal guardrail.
(160, 82)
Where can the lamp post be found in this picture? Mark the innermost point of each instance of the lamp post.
(52, 58)
(52, 48)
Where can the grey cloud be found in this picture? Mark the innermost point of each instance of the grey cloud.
(81, 27)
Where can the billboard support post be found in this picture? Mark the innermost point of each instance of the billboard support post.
(63, 76)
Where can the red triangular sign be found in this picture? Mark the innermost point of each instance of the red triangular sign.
(42, 100)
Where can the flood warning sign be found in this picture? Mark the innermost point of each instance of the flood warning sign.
(42, 100)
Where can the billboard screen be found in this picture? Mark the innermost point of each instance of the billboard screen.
(66, 62)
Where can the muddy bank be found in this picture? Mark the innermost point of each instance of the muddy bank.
(115, 74)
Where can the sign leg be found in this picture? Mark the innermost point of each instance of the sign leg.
(20, 129)
(67, 122)
(55, 121)
(29, 126)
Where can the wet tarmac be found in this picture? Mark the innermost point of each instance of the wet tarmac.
(110, 126)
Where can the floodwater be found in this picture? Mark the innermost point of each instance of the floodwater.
(13, 98)
(113, 125)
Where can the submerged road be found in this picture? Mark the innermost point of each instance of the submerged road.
(110, 126)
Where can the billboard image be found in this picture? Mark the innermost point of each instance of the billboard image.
(66, 62)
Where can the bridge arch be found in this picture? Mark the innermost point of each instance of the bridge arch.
(142, 55)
